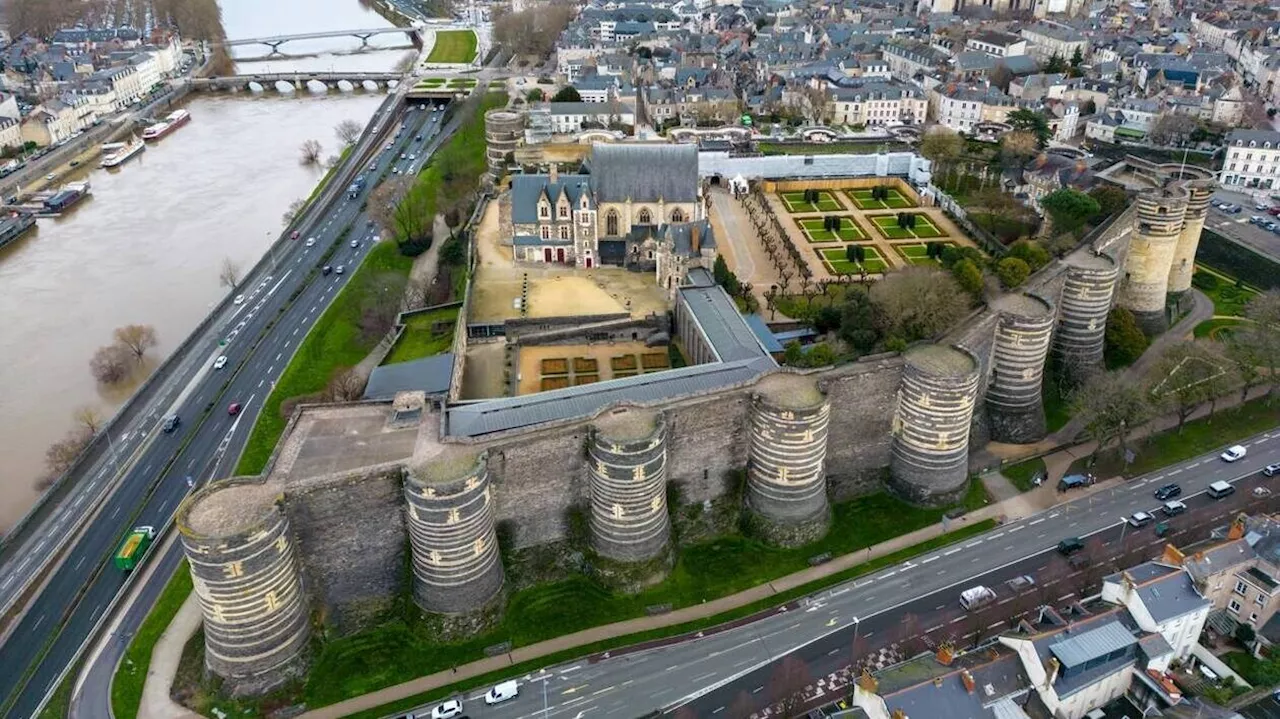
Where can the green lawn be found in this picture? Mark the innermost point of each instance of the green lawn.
(453, 46)
(429, 82)
(131, 673)
(462, 82)
(837, 261)
(534, 665)
(1023, 472)
(1198, 437)
(418, 339)
(1258, 672)
(848, 232)
(334, 343)
(795, 203)
(918, 254)
(1228, 299)
(400, 651)
(895, 200)
(924, 229)
(1218, 330)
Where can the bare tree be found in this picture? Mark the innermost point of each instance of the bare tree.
(533, 31)
(788, 683)
(229, 274)
(311, 151)
(348, 131)
(743, 705)
(401, 211)
(1172, 128)
(1188, 375)
(295, 208)
(88, 417)
(920, 302)
(1264, 335)
(381, 296)
(1019, 145)
(1110, 406)
(62, 454)
(406, 62)
(137, 339)
(111, 364)
(942, 147)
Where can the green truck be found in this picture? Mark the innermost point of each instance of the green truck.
(134, 547)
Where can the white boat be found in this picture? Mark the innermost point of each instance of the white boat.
(115, 154)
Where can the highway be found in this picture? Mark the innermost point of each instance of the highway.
(268, 326)
(709, 674)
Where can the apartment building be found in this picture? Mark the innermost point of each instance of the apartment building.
(878, 103)
(1252, 161)
(960, 107)
(1046, 39)
(997, 44)
(50, 123)
(10, 132)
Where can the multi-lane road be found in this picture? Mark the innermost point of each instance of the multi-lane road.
(710, 674)
(277, 311)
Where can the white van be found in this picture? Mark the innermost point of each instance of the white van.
(1220, 489)
(975, 597)
(502, 692)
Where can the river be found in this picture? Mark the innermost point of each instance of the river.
(147, 246)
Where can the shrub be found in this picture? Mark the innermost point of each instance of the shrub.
(969, 276)
(1012, 272)
(1031, 253)
(1205, 281)
(1125, 341)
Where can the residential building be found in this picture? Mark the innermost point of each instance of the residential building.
(571, 117)
(908, 60)
(997, 44)
(1046, 39)
(878, 103)
(1241, 577)
(1252, 160)
(50, 123)
(10, 132)
(960, 107)
(9, 107)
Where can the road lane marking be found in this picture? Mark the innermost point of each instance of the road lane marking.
(278, 355)
(996, 536)
(1014, 529)
(948, 554)
(971, 545)
(611, 688)
(1033, 522)
(930, 559)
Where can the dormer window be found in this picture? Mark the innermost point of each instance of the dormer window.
(563, 211)
(544, 212)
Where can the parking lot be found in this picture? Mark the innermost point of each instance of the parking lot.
(1237, 225)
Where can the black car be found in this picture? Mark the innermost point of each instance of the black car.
(326, 270)
(1169, 491)
(1070, 546)
(170, 423)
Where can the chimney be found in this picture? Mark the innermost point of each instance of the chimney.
(555, 172)
(868, 683)
(967, 678)
(1041, 160)
(695, 239)
(899, 714)
(1237, 527)
(1052, 671)
(945, 655)
(1172, 555)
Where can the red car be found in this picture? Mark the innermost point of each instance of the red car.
(233, 409)
(294, 235)
(1274, 211)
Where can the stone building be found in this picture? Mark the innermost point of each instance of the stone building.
(632, 203)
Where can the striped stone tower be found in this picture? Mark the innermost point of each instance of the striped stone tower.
(1184, 257)
(247, 579)
(1014, 404)
(628, 481)
(456, 565)
(1082, 312)
(1151, 250)
(786, 478)
(929, 459)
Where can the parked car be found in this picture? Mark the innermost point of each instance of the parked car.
(1269, 226)
(1075, 481)
(1220, 489)
(1168, 491)
(220, 362)
(1274, 211)
(1256, 220)
(1140, 519)
(1173, 508)
(1261, 207)
(1234, 210)
(447, 710)
(1271, 470)
(1234, 453)
(1070, 546)
(1021, 582)
(233, 409)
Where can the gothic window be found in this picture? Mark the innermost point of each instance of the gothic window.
(611, 223)
(546, 232)
(564, 211)
(544, 212)
(564, 232)
(644, 218)
(677, 215)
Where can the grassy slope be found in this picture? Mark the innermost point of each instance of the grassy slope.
(131, 674)
(335, 341)
(419, 341)
(453, 46)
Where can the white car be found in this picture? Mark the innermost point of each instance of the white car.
(1271, 470)
(355, 244)
(447, 710)
(1234, 453)
(1139, 519)
(311, 242)
(239, 299)
(220, 362)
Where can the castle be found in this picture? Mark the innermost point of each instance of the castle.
(357, 492)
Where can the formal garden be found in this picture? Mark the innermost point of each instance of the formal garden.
(906, 226)
(853, 260)
(928, 254)
(879, 198)
(802, 201)
(831, 228)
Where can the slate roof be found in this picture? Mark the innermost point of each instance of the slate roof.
(1171, 597)
(526, 189)
(720, 322)
(644, 173)
(994, 684)
(429, 374)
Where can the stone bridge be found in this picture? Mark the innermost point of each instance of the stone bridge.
(369, 80)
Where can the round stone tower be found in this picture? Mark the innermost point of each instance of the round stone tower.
(1184, 257)
(628, 473)
(1146, 269)
(929, 460)
(1014, 403)
(503, 131)
(456, 565)
(1082, 316)
(249, 584)
(786, 477)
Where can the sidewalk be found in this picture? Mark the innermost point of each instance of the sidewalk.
(156, 703)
